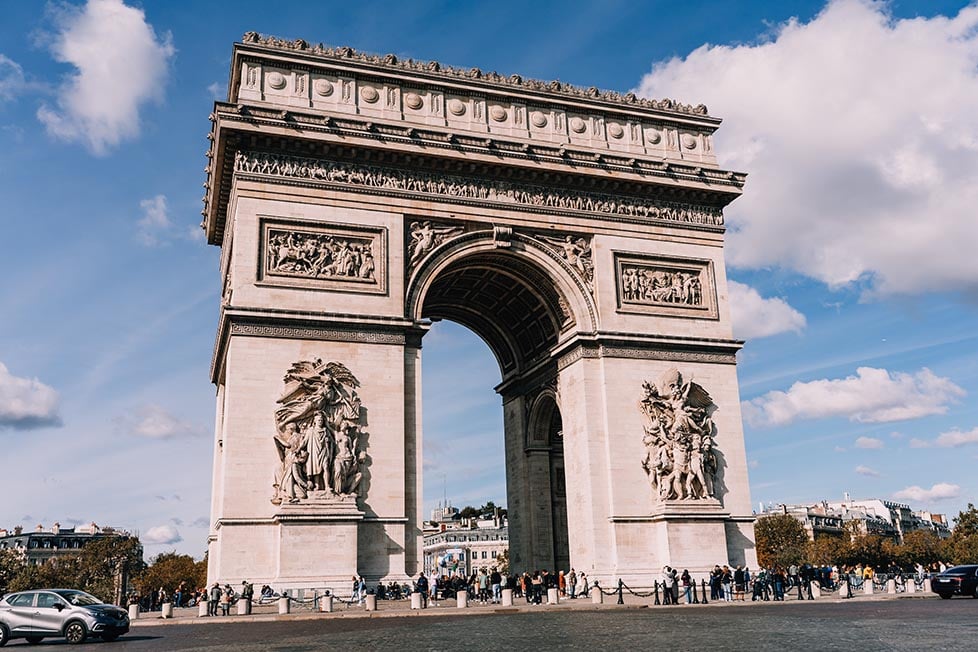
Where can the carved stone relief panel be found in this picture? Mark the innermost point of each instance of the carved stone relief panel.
(325, 256)
(423, 236)
(659, 285)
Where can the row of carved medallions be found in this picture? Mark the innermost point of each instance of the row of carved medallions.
(681, 458)
(341, 94)
(328, 256)
(484, 191)
(345, 53)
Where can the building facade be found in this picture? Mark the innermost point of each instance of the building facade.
(875, 516)
(464, 546)
(41, 545)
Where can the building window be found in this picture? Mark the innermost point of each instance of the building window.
(483, 554)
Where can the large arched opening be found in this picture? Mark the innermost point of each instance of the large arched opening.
(515, 299)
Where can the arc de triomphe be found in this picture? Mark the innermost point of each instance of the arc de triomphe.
(579, 233)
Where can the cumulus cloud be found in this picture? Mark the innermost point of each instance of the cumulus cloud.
(154, 226)
(754, 316)
(155, 422)
(940, 491)
(871, 396)
(859, 135)
(865, 470)
(868, 442)
(161, 535)
(120, 65)
(951, 439)
(26, 403)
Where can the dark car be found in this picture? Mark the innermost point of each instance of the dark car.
(75, 615)
(958, 580)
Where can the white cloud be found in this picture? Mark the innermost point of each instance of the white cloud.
(155, 422)
(121, 64)
(871, 396)
(859, 134)
(216, 90)
(840, 449)
(12, 79)
(754, 316)
(865, 470)
(951, 439)
(940, 491)
(753, 464)
(161, 535)
(155, 223)
(26, 403)
(868, 442)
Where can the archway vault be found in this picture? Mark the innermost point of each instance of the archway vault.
(519, 298)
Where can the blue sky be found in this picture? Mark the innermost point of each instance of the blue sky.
(852, 250)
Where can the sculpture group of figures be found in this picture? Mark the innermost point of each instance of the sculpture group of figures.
(319, 255)
(654, 285)
(318, 433)
(463, 187)
(577, 252)
(425, 237)
(680, 456)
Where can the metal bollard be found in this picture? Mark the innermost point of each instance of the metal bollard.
(416, 600)
(507, 597)
(134, 611)
(703, 592)
(696, 599)
(284, 605)
(621, 585)
(201, 609)
(326, 604)
(244, 607)
(462, 599)
(553, 597)
(166, 610)
(655, 592)
(891, 586)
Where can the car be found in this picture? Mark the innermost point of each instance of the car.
(46, 613)
(957, 580)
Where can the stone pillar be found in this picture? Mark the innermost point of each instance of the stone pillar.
(868, 586)
(201, 609)
(166, 610)
(597, 597)
(371, 602)
(462, 599)
(326, 604)
(891, 586)
(507, 597)
(244, 607)
(927, 588)
(816, 590)
(844, 590)
(284, 605)
(416, 601)
(134, 611)
(553, 597)
(911, 585)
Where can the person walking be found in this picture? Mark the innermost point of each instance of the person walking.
(687, 583)
(585, 589)
(421, 586)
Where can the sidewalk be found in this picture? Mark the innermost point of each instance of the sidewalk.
(402, 608)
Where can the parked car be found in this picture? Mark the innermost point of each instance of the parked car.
(957, 580)
(74, 615)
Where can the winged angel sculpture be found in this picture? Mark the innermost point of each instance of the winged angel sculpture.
(679, 438)
(318, 433)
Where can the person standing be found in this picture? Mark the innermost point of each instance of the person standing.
(667, 581)
(572, 584)
(421, 586)
(585, 589)
(687, 583)
(213, 599)
(496, 580)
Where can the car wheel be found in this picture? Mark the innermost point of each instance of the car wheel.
(76, 633)
(109, 637)
(945, 596)
(34, 640)
(4, 634)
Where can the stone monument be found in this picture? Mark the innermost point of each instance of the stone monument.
(579, 232)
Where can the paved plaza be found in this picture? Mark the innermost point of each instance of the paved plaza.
(864, 624)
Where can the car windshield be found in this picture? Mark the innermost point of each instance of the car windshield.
(79, 598)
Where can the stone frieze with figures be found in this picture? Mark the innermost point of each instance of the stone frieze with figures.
(665, 286)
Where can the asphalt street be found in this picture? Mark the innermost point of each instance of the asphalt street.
(863, 626)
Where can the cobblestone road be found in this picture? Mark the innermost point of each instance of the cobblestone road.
(861, 626)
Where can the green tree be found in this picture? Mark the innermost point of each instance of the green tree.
(826, 550)
(169, 570)
(920, 547)
(781, 541)
(502, 562)
(962, 546)
(12, 564)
